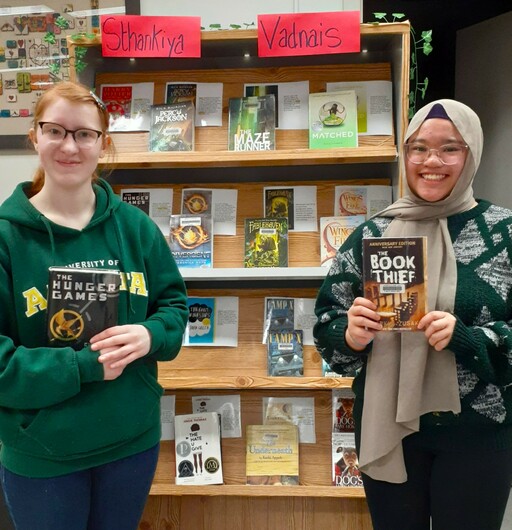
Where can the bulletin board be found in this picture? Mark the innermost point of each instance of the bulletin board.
(31, 60)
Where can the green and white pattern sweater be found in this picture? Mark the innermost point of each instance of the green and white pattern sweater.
(482, 339)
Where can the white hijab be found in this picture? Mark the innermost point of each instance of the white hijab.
(405, 377)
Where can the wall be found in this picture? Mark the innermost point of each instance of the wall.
(483, 80)
(17, 166)
(226, 12)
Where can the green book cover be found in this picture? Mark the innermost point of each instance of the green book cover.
(172, 127)
(333, 119)
(252, 123)
(266, 242)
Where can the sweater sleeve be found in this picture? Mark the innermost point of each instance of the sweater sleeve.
(168, 310)
(482, 338)
(485, 350)
(341, 286)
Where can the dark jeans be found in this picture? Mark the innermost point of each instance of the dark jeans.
(459, 490)
(107, 497)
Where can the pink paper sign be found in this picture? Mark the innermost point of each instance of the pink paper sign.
(140, 36)
(308, 33)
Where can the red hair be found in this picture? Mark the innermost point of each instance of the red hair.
(74, 93)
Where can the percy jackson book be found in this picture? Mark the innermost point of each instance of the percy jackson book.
(266, 242)
(172, 127)
(81, 303)
(395, 279)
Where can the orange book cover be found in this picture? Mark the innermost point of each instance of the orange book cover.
(395, 279)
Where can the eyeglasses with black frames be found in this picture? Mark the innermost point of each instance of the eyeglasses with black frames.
(449, 154)
(85, 138)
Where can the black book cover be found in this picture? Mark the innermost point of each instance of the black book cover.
(81, 303)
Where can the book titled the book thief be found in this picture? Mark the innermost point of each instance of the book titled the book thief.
(81, 303)
(395, 279)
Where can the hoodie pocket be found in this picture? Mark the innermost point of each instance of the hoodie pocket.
(104, 415)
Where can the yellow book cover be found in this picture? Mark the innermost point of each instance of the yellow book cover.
(272, 454)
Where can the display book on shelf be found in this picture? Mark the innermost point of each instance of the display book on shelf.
(368, 153)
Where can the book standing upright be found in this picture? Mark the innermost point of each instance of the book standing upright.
(252, 123)
(172, 127)
(333, 120)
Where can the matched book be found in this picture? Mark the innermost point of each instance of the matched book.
(285, 353)
(198, 448)
(81, 303)
(333, 119)
(333, 233)
(252, 123)
(172, 127)
(272, 454)
(395, 279)
(266, 242)
(191, 240)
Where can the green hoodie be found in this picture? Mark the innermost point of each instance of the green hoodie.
(57, 414)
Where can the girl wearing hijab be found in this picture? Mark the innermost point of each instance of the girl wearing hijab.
(433, 408)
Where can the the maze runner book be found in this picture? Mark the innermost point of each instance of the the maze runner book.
(252, 123)
(395, 279)
(81, 303)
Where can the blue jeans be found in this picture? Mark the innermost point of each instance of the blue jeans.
(107, 497)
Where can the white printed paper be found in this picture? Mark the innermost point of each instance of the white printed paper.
(298, 411)
(221, 203)
(229, 409)
(292, 100)
(167, 413)
(220, 325)
(299, 204)
(298, 313)
(155, 202)
(374, 105)
(208, 102)
(361, 200)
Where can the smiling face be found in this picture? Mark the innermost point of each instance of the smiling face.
(65, 163)
(433, 180)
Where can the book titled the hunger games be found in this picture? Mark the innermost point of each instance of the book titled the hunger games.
(395, 279)
(81, 303)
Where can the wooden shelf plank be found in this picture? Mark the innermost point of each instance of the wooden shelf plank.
(281, 157)
(242, 490)
(255, 274)
(171, 382)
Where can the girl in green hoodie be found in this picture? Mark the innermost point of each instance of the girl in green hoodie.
(80, 429)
